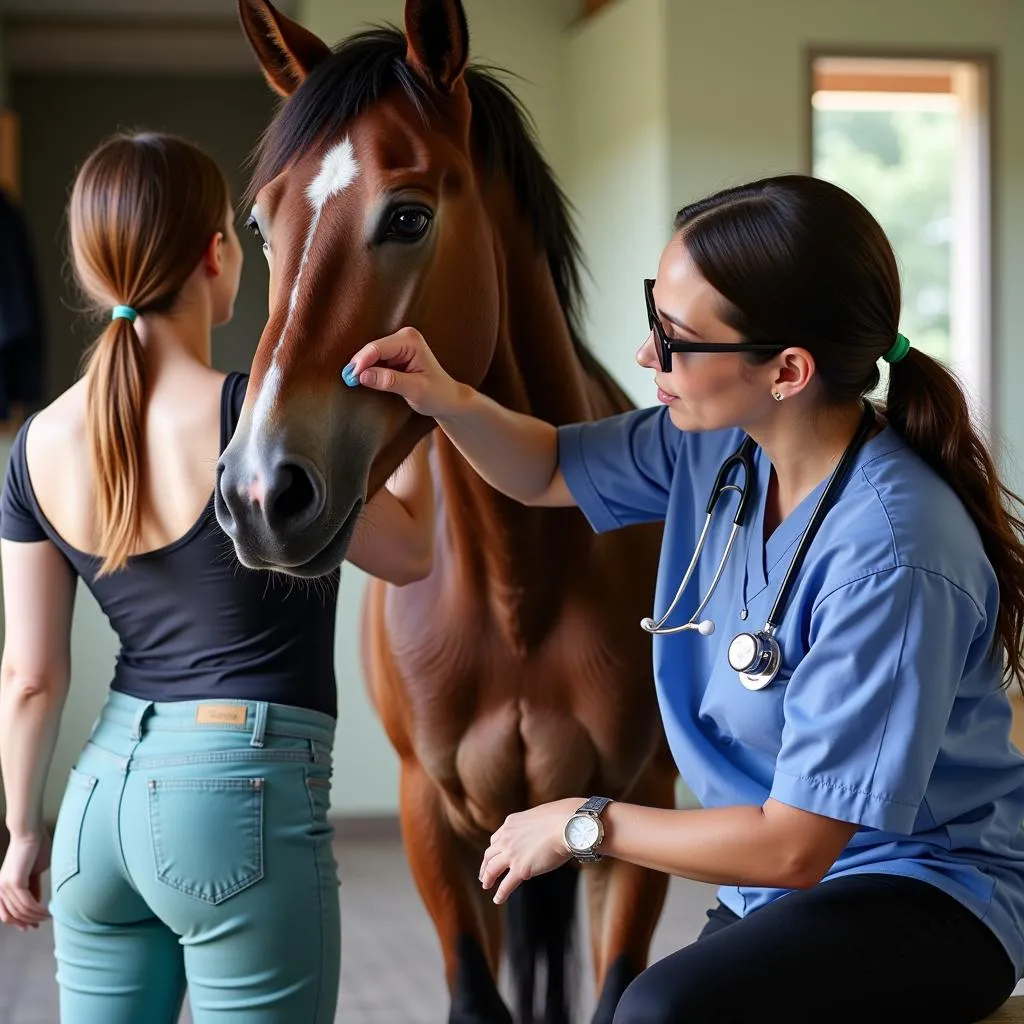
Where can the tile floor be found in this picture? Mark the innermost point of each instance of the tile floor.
(391, 963)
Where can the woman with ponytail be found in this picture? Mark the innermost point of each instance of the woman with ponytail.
(192, 846)
(862, 805)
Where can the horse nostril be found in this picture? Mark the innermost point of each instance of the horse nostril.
(294, 497)
(222, 497)
(293, 493)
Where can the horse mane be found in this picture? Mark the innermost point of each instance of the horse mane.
(367, 65)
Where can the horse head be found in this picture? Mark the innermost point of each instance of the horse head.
(370, 207)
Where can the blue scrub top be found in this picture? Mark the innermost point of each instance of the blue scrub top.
(889, 710)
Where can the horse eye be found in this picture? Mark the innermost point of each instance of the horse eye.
(251, 225)
(408, 224)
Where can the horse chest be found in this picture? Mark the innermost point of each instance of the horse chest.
(500, 729)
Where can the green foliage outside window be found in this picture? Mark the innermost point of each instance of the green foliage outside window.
(899, 163)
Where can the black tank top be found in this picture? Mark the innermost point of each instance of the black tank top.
(192, 621)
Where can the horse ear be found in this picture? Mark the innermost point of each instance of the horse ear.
(286, 51)
(438, 41)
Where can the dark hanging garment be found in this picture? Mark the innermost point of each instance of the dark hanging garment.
(21, 321)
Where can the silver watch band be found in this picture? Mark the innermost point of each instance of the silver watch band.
(595, 805)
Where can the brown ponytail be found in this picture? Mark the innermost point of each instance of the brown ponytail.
(142, 212)
(114, 406)
(927, 407)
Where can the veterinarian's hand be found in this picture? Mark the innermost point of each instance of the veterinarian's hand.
(403, 364)
(529, 843)
(20, 886)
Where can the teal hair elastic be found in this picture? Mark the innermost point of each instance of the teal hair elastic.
(899, 350)
(124, 313)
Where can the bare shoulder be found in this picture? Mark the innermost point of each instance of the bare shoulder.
(57, 435)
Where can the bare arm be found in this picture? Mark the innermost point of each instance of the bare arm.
(394, 540)
(39, 589)
(776, 845)
(515, 454)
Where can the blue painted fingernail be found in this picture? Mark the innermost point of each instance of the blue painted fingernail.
(349, 375)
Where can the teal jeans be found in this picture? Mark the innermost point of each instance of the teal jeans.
(192, 848)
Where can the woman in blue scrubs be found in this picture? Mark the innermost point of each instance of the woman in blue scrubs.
(862, 811)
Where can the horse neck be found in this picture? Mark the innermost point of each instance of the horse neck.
(504, 547)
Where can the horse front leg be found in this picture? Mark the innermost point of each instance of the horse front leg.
(624, 904)
(468, 925)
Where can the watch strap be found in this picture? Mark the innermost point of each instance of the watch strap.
(595, 805)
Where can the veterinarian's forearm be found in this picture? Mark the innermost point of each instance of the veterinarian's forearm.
(724, 846)
(515, 454)
(30, 711)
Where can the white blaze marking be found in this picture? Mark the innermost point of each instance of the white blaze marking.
(265, 399)
(337, 171)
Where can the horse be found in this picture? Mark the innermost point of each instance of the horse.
(397, 184)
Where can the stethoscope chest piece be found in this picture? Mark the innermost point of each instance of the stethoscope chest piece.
(756, 658)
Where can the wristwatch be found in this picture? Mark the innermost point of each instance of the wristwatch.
(584, 831)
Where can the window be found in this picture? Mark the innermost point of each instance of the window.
(909, 138)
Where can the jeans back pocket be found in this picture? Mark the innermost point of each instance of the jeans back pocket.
(67, 836)
(207, 835)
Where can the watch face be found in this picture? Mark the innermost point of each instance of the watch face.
(581, 833)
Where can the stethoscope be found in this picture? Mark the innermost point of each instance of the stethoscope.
(756, 657)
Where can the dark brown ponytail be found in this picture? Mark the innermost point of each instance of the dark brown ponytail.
(927, 406)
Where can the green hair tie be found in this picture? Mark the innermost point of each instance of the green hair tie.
(899, 350)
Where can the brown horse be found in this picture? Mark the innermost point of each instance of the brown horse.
(397, 186)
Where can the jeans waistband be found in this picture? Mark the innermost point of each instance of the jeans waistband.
(255, 718)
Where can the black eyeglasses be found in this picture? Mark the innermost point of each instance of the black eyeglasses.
(666, 345)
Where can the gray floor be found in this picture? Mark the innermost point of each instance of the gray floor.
(391, 964)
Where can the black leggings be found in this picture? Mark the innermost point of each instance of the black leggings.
(862, 948)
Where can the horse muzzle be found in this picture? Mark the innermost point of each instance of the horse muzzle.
(275, 510)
